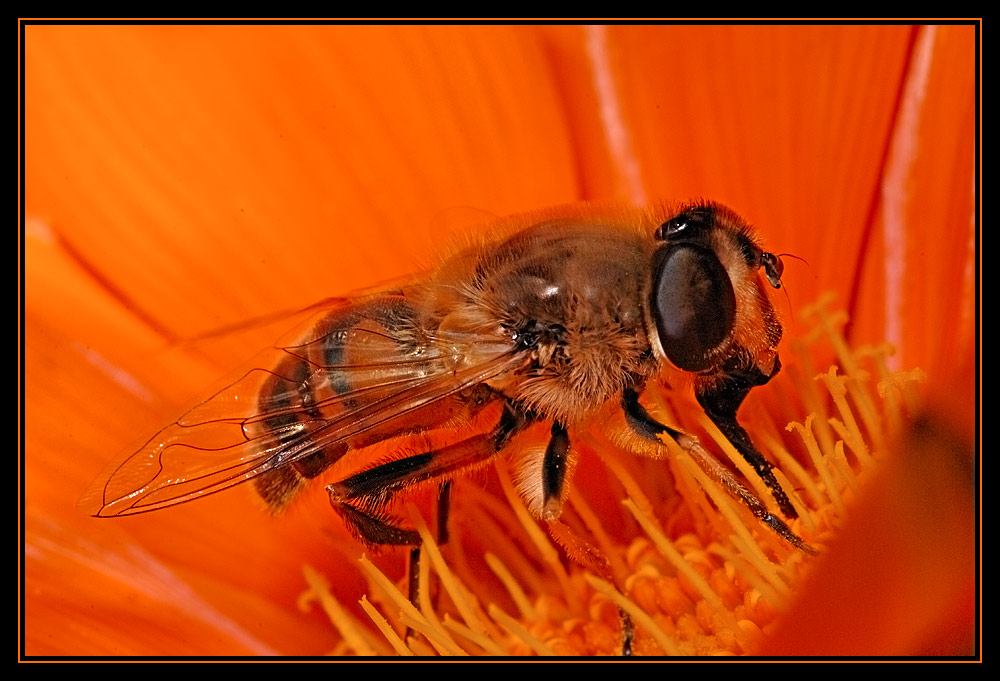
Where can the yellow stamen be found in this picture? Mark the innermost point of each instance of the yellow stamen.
(513, 588)
(641, 618)
(357, 638)
(520, 631)
(383, 626)
(695, 571)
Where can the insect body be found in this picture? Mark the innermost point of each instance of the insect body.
(562, 322)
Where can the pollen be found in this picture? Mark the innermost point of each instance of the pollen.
(650, 557)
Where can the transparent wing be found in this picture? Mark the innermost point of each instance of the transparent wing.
(352, 375)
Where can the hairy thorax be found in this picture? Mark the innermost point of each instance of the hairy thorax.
(574, 296)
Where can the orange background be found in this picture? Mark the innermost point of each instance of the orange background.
(178, 179)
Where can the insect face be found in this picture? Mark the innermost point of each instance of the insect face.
(707, 307)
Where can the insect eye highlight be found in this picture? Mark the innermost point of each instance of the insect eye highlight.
(689, 222)
(693, 304)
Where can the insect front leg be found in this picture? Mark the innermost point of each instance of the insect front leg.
(645, 426)
(361, 498)
(720, 399)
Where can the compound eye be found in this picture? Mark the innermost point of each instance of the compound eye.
(694, 305)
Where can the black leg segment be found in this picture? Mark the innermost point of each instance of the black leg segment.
(554, 467)
(720, 400)
(361, 497)
(649, 428)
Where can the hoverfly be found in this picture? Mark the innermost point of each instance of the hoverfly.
(561, 322)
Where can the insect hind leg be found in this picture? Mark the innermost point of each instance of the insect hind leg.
(443, 510)
(361, 498)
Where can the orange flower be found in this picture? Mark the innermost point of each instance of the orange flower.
(180, 179)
